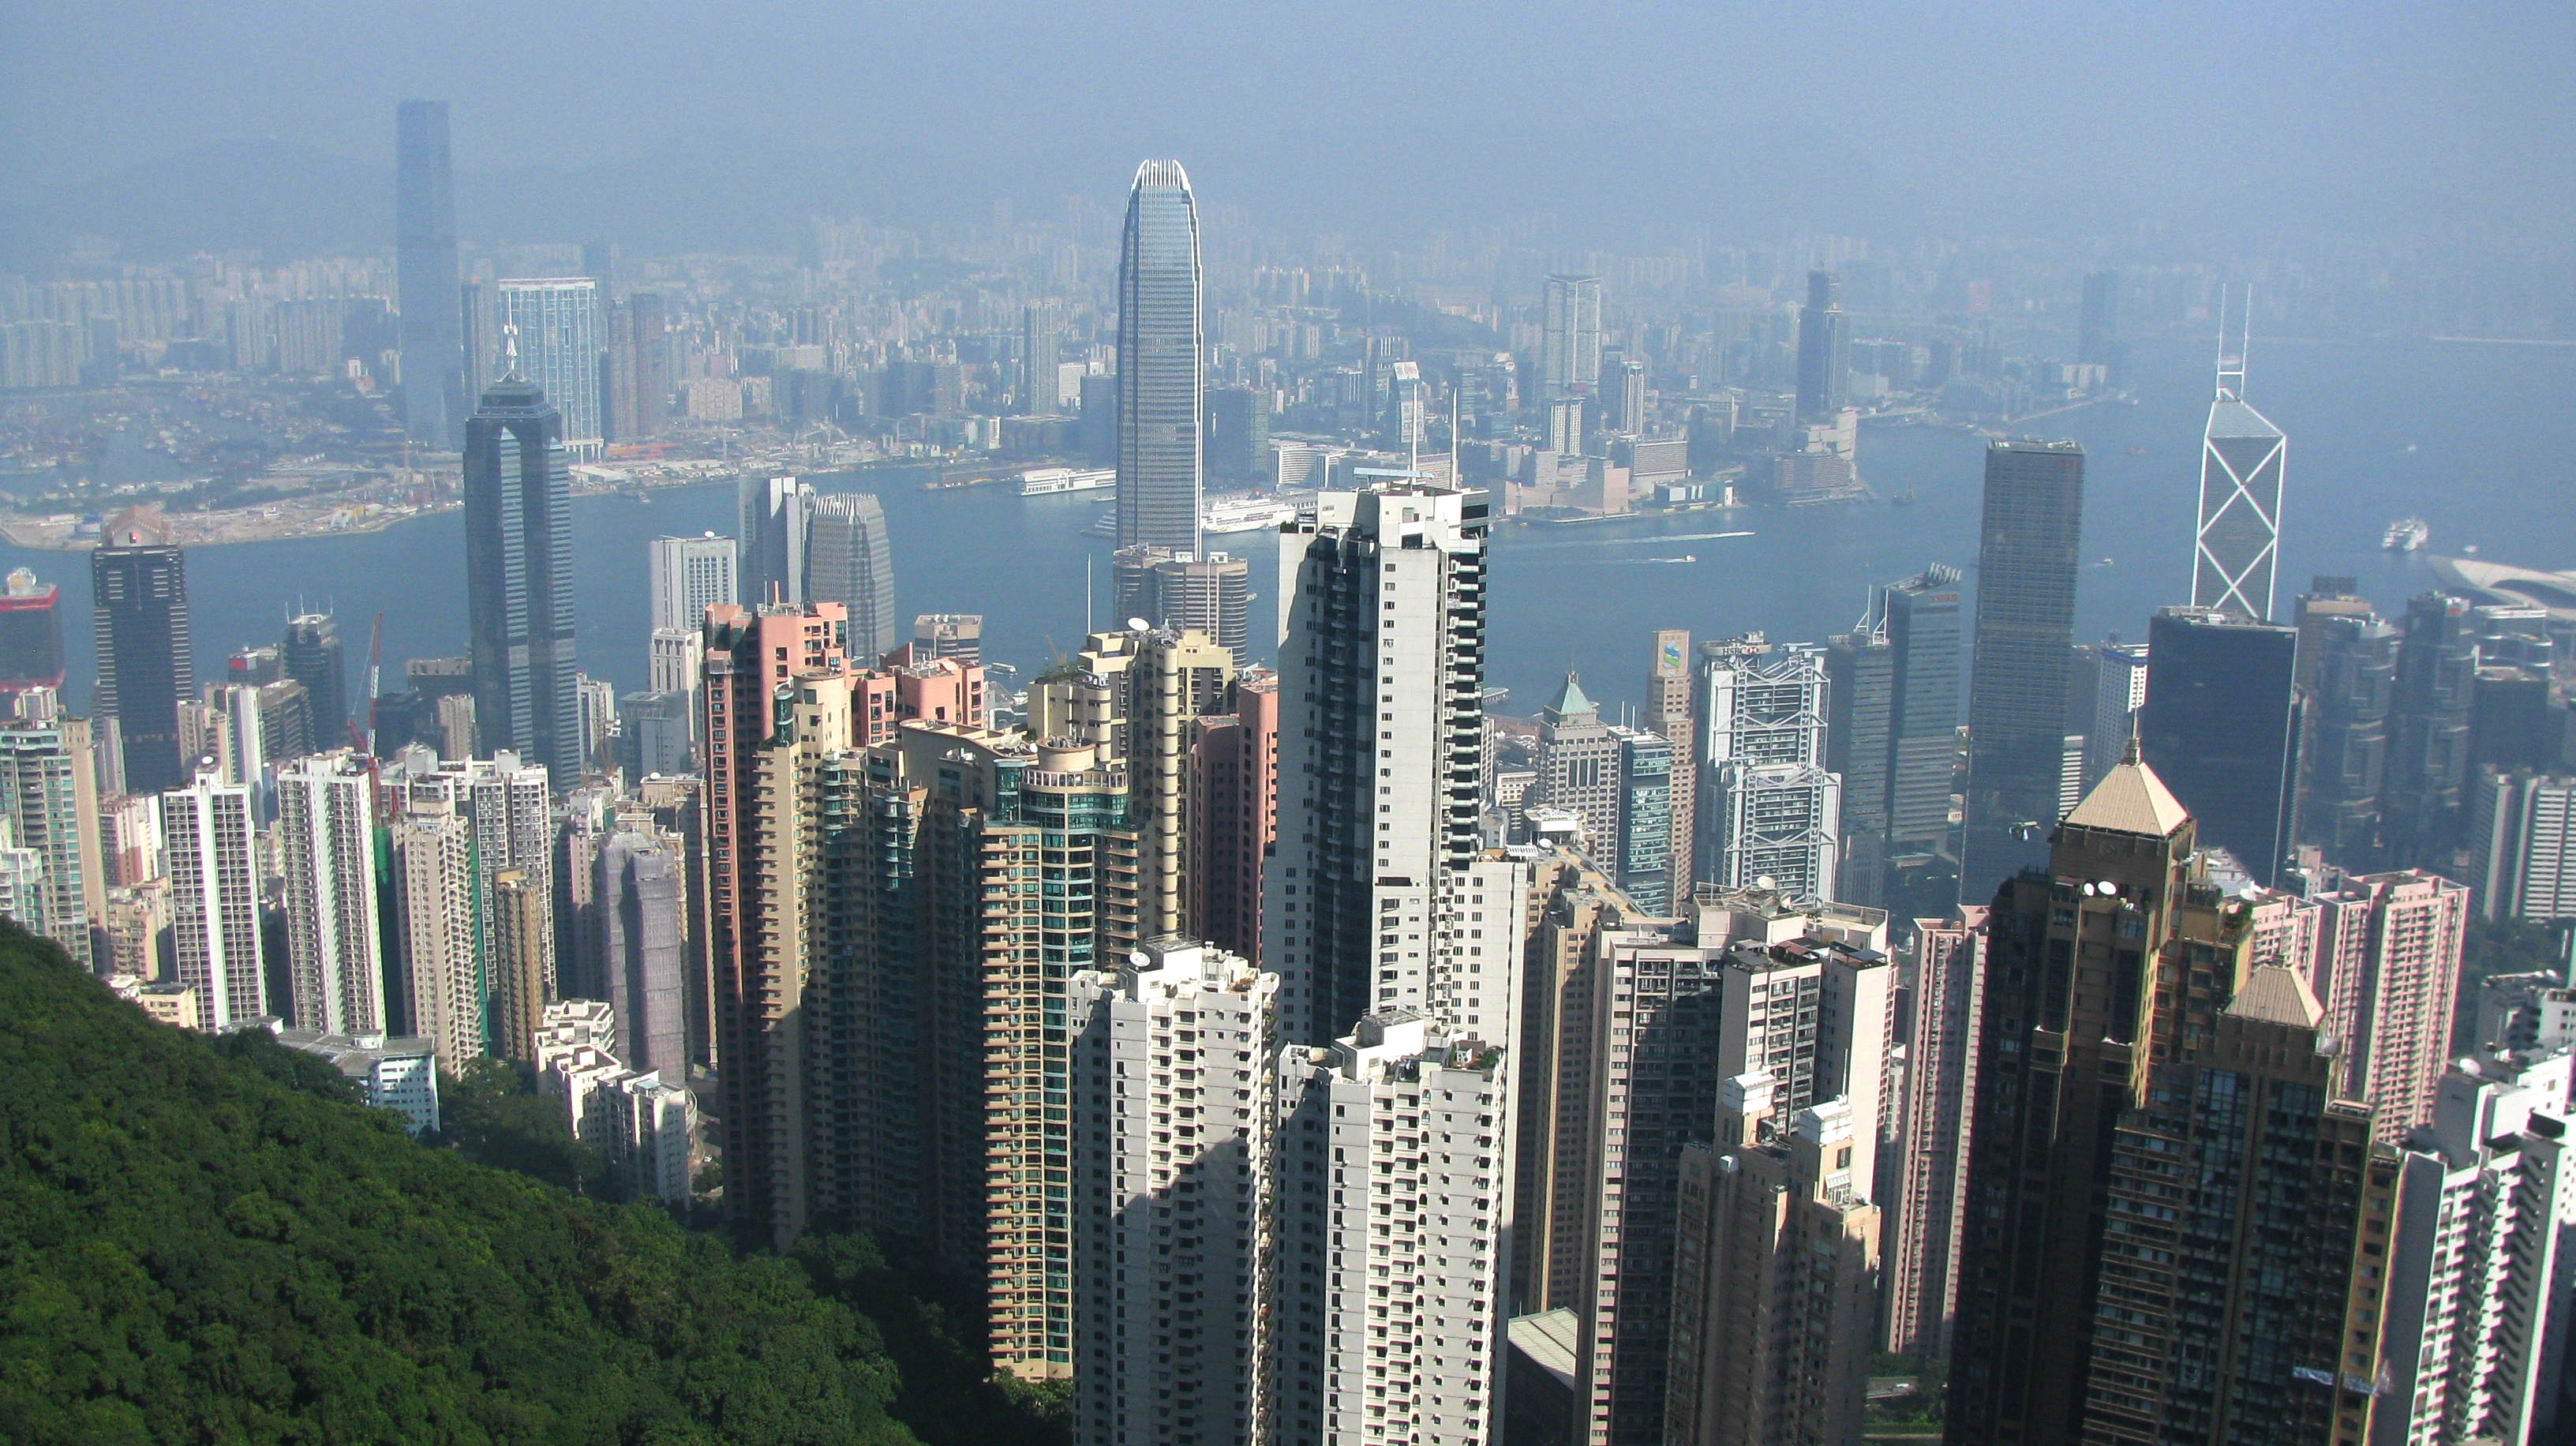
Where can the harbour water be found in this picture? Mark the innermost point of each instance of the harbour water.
(2478, 439)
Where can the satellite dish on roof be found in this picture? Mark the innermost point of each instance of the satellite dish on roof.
(1138, 625)
(1766, 882)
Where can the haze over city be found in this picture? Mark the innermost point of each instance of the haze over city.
(1335, 726)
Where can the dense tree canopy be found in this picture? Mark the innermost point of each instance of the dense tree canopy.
(203, 1240)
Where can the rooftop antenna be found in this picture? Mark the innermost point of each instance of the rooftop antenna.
(1086, 594)
(2231, 369)
(1453, 433)
(510, 352)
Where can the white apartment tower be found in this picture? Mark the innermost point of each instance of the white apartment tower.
(326, 851)
(2482, 1284)
(1381, 735)
(435, 930)
(209, 831)
(1173, 1085)
(1393, 1190)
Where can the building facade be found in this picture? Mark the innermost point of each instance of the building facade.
(1161, 344)
(518, 578)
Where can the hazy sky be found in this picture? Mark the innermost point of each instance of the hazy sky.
(1339, 109)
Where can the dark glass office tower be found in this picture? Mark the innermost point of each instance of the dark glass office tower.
(1892, 733)
(2025, 640)
(431, 333)
(2346, 761)
(1160, 346)
(1824, 350)
(313, 657)
(2221, 727)
(518, 578)
(2428, 732)
(146, 659)
(1038, 333)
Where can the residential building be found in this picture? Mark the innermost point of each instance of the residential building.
(2247, 1210)
(2126, 901)
(948, 635)
(517, 947)
(326, 851)
(1233, 814)
(49, 799)
(2386, 965)
(641, 897)
(1381, 722)
(1668, 712)
(1392, 1191)
(1175, 1072)
(518, 577)
(2025, 628)
(2521, 840)
(2482, 1274)
(216, 947)
(437, 929)
(1161, 347)
(1928, 1198)
(394, 1072)
(312, 657)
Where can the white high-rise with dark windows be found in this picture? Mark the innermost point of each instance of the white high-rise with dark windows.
(326, 850)
(1381, 750)
(1161, 349)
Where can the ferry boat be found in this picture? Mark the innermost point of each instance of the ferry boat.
(2407, 534)
(1048, 481)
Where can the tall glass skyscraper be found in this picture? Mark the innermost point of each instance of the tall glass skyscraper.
(2025, 639)
(1569, 361)
(1160, 352)
(1824, 350)
(518, 578)
(2239, 539)
(849, 560)
(431, 334)
(556, 319)
(2221, 726)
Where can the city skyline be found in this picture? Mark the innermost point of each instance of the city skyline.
(1309, 997)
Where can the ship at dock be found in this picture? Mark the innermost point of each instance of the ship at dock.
(1049, 481)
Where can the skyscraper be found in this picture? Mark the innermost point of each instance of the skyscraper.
(518, 578)
(1233, 814)
(2025, 632)
(146, 658)
(775, 513)
(209, 831)
(2097, 326)
(1187, 591)
(2428, 732)
(849, 559)
(1929, 1203)
(557, 322)
(1381, 727)
(685, 575)
(1161, 344)
(1892, 734)
(431, 336)
(1172, 1347)
(312, 656)
(2057, 1066)
(436, 929)
(639, 894)
(1578, 767)
(1768, 809)
(2239, 542)
(2119, 691)
(49, 801)
(1038, 332)
(1824, 350)
(2243, 1245)
(1668, 711)
(1570, 338)
(2221, 727)
(326, 851)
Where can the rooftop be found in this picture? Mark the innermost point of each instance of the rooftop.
(2131, 799)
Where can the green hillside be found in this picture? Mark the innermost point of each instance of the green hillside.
(198, 1242)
